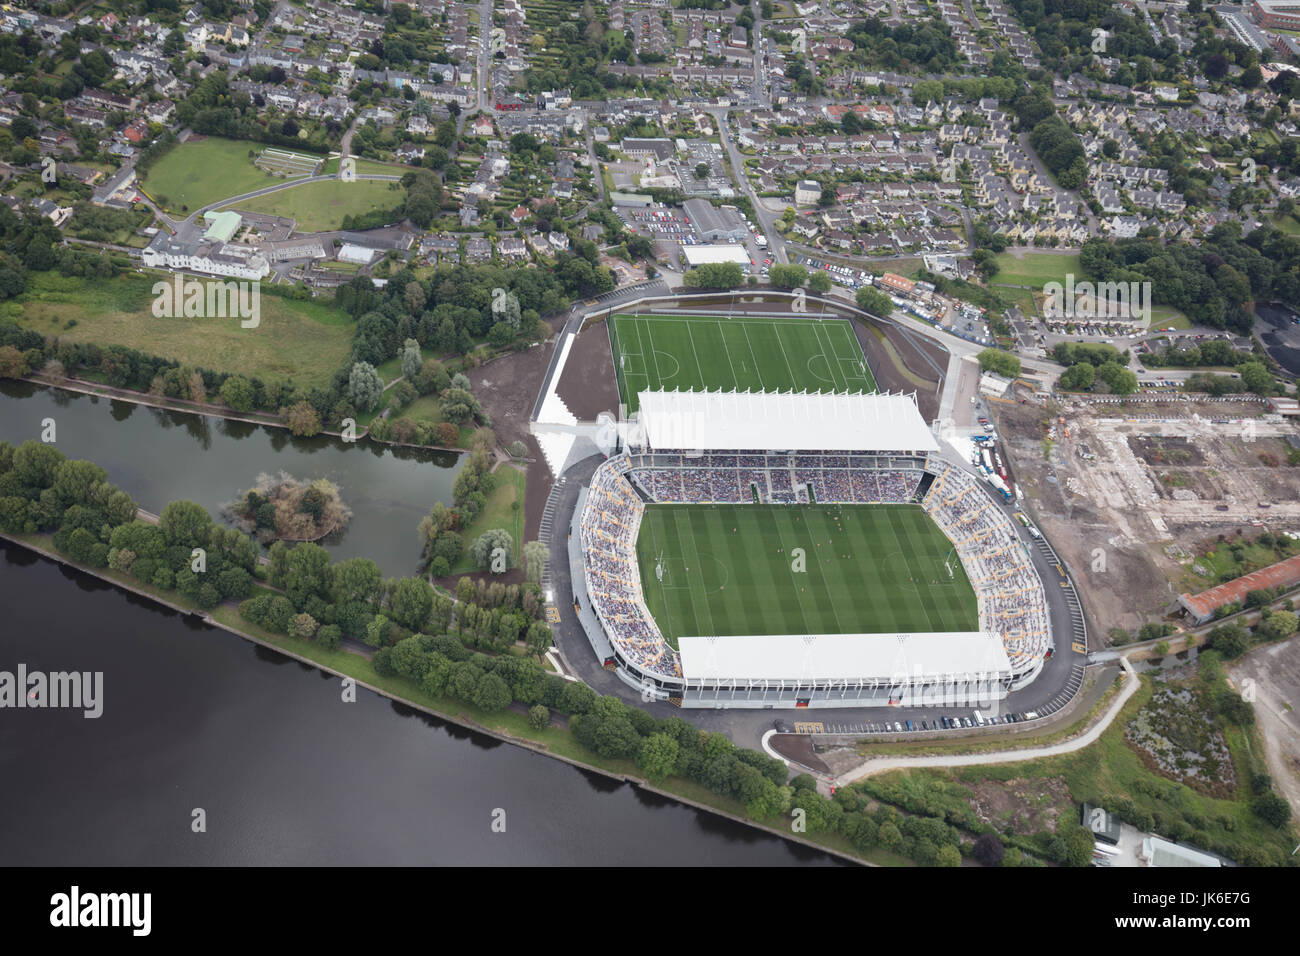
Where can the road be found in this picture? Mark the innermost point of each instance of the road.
(766, 220)
(879, 764)
(485, 55)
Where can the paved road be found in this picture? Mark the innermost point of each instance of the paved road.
(766, 220)
(879, 764)
(484, 54)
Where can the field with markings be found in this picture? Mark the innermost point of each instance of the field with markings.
(717, 352)
(730, 570)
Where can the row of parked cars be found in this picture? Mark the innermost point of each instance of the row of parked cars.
(947, 723)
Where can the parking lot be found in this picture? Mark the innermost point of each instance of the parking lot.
(972, 721)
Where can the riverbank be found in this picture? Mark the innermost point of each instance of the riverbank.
(508, 727)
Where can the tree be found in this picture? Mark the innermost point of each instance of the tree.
(874, 301)
(535, 555)
(658, 756)
(410, 602)
(307, 572)
(788, 277)
(493, 549)
(1280, 625)
(948, 855)
(302, 626)
(303, 420)
(538, 717)
(185, 524)
(723, 275)
(329, 637)
(889, 836)
(365, 387)
(989, 850)
(13, 364)
(1271, 808)
(1076, 378)
(539, 638)
(1230, 640)
(1256, 377)
(491, 694)
(411, 358)
(237, 392)
(819, 282)
(1003, 363)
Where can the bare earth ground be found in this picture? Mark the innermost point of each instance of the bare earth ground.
(1134, 489)
(799, 748)
(915, 374)
(507, 388)
(588, 385)
(1027, 806)
(1275, 670)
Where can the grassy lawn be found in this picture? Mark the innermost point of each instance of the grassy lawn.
(669, 352)
(427, 408)
(870, 569)
(499, 512)
(197, 173)
(321, 206)
(1021, 297)
(1037, 268)
(302, 341)
(1287, 224)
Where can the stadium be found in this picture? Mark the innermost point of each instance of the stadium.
(790, 549)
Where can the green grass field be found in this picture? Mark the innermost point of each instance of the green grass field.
(321, 206)
(302, 341)
(652, 352)
(727, 570)
(1037, 268)
(205, 171)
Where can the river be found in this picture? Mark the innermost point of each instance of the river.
(284, 770)
(157, 455)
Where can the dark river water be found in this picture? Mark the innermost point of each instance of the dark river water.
(285, 771)
(157, 456)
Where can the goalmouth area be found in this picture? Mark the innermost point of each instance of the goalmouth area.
(866, 569)
(781, 353)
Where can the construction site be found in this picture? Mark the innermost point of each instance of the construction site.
(1133, 493)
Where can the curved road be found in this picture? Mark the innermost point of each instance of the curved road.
(1090, 736)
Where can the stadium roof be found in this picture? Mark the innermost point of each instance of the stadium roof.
(780, 421)
(910, 658)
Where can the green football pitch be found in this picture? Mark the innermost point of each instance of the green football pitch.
(730, 570)
(717, 352)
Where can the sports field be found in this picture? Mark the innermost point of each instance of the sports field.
(729, 570)
(206, 170)
(717, 352)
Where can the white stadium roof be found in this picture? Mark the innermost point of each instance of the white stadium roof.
(887, 657)
(781, 421)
